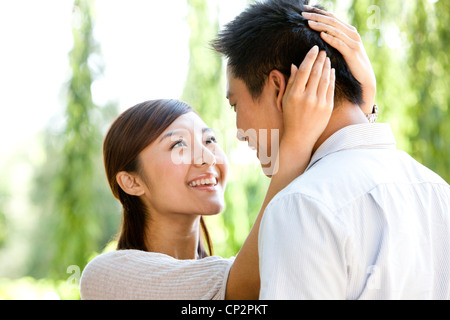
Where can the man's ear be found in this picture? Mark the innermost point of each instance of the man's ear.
(278, 81)
(130, 183)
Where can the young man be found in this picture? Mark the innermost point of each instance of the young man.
(365, 221)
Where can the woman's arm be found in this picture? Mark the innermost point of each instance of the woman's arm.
(346, 39)
(307, 106)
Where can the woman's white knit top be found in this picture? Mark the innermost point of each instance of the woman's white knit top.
(134, 274)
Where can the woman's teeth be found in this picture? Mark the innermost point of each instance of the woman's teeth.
(199, 182)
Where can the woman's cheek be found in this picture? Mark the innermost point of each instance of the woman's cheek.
(222, 163)
(180, 156)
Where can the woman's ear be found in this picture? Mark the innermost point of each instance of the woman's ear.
(278, 81)
(130, 183)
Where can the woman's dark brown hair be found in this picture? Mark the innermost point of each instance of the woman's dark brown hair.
(132, 132)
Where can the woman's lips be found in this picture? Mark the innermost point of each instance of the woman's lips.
(210, 188)
(204, 182)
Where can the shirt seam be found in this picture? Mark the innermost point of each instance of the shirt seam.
(359, 147)
(334, 210)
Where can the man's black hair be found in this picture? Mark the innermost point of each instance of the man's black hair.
(273, 34)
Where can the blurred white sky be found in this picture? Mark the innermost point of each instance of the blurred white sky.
(144, 46)
(35, 37)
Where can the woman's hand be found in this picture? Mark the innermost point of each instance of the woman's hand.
(346, 39)
(308, 101)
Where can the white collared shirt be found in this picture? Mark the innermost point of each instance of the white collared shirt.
(365, 221)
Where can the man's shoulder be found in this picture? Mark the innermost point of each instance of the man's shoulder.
(344, 176)
(334, 176)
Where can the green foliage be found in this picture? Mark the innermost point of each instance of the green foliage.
(3, 229)
(28, 288)
(203, 83)
(430, 81)
(409, 51)
(78, 213)
(3, 220)
(78, 224)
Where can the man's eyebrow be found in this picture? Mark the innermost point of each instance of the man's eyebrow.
(206, 129)
(181, 132)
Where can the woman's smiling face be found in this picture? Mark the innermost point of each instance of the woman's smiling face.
(184, 170)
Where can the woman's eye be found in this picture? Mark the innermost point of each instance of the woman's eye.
(233, 107)
(179, 143)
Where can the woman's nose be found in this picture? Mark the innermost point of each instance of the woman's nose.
(205, 157)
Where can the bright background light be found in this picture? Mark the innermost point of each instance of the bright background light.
(144, 48)
(35, 37)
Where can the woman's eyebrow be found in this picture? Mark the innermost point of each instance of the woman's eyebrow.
(171, 133)
(181, 132)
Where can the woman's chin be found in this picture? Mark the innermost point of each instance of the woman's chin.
(213, 209)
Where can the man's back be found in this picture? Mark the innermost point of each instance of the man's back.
(365, 221)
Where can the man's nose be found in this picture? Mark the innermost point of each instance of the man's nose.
(240, 135)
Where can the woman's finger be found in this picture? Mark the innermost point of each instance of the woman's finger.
(328, 14)
(331, 86)
(316, 73)
(304, 70)
(350, 31)
(318, 26)
(292, 77)
(336, 43)
(324, 81)
(314, 9)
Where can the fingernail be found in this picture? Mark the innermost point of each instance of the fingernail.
(315, 48)
(292, 68)
(306, 14)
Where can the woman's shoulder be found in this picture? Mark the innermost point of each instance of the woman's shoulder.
(135, 274)
(123, 257)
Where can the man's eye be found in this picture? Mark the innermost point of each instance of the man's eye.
(211, 140)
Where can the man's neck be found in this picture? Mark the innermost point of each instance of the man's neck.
(346, 114)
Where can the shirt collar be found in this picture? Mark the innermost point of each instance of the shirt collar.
(358, 136)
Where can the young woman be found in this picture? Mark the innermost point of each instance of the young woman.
(165, 167)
